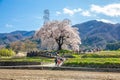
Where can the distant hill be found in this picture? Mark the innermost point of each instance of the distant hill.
(6, 38)
(93, 34)
(97, 33)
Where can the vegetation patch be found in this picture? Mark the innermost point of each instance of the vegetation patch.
(16, 63)
(105, 59)
(103, 54)
(6, 52)
(27, 59)
(24, 61)
(94, 62)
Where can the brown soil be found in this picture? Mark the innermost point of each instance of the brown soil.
(14, 74)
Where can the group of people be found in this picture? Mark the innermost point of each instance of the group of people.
(59, 61)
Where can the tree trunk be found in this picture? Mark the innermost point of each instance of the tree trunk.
(59, 42)
(59, 47)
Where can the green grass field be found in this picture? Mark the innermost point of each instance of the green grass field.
(27, 59)
(103, 59)
(103, 54)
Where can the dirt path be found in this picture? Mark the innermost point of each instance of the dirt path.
(49, 65)
(14, 74)
(44, 65)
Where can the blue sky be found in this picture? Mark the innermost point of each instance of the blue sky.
(28, 14)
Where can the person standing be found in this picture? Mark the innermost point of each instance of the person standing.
(56, 61)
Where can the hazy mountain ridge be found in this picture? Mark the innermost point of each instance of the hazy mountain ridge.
(93, 33)
(6, 38)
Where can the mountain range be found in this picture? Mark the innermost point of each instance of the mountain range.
(97, 33)
(6, 38)
(93, 34)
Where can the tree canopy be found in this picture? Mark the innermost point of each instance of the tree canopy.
(57, 35)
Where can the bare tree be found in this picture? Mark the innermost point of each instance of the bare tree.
(59, 35)
(17, 46)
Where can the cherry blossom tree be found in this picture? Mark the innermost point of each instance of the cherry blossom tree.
(57, 35)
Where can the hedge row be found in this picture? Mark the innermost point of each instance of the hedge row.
(15, 63)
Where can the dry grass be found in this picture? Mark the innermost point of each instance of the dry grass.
(6, 74)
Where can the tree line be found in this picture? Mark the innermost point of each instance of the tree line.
(113, 46)
(23, 46)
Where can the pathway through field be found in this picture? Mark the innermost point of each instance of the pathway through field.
(49, 65)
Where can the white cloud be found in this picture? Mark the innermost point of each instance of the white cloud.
(112, 10)
(86, 13)
(71, 12)
(77, 10)
(8, 25)
(68, 11)
(58, 13)
(106, 21)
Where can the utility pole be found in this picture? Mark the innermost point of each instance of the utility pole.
(46, 16)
